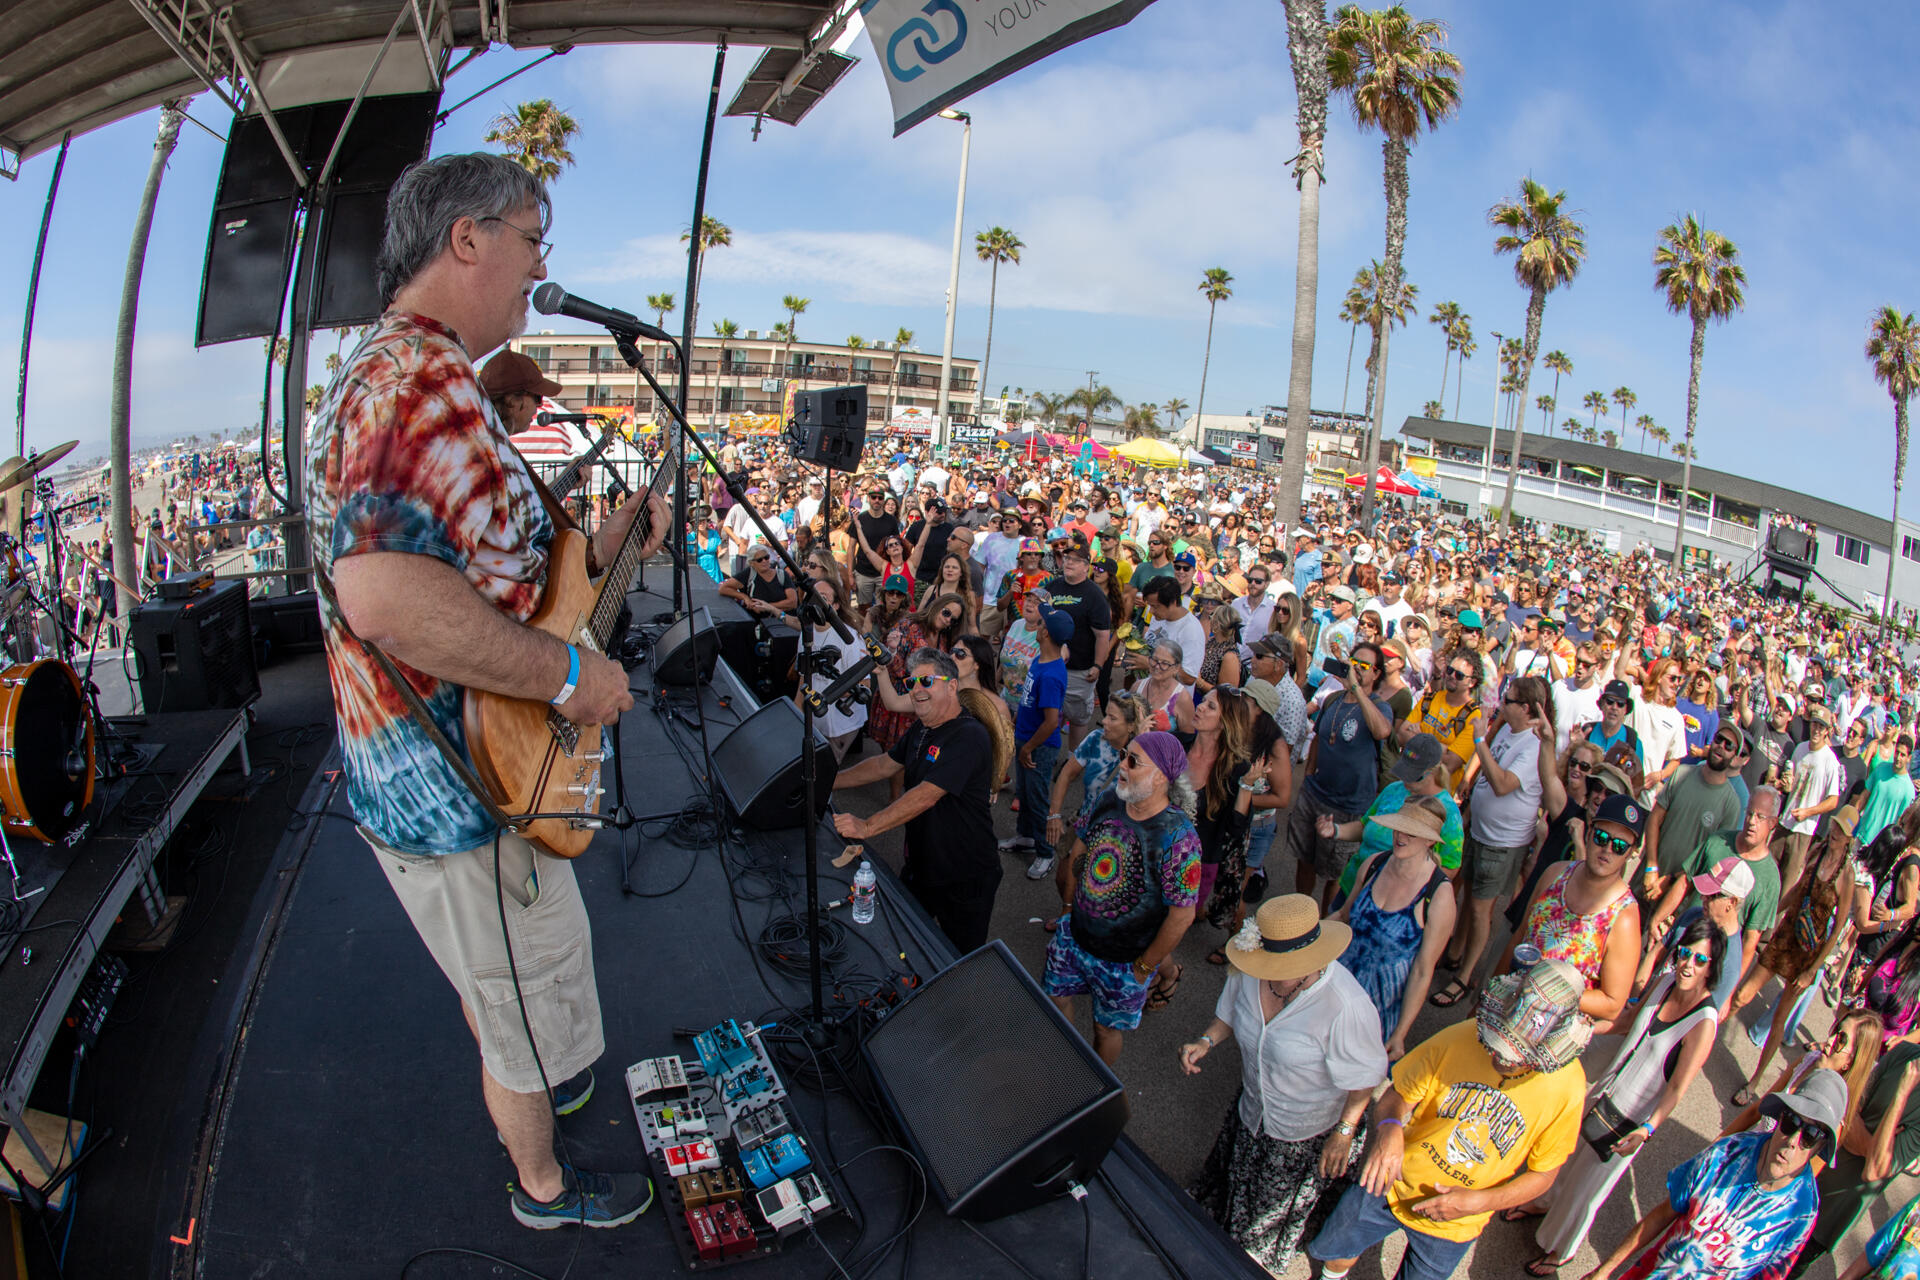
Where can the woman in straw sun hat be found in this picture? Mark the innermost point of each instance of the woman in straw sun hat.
(1310, 1058)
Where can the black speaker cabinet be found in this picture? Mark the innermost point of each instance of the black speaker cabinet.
(758, 765)
(687, 650)
(196, 654)
(993, 1089)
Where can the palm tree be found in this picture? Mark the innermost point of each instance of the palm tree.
(1893, 347)
(120, 393)
(1446, 315)
(1307, 51)
(1400, 78)
(1464, 346)
(1050, 405)
(1141, 420)
(1574, 427)
(1645, 423)
(795, 307)
(1556, 363)
(714, 234)
(1174, 406)
(1684, 450)
(902, 340)
(726, 331)
(1624, 397)
(1353, 310)
(1699, 271)
(1510, 352)
(660, 304)
(1610, 438)
(1660, 437)
(535, 135)
(1216, 286)
(1373, 312)
(1090, 400)
(1548, 248)
(995, 245)
(1545, 404)
(1596, 401)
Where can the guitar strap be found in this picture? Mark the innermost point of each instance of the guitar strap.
(418, 710)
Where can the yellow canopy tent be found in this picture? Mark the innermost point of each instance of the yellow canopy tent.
(1151, 452)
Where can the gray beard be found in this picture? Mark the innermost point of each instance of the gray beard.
(1132, 793)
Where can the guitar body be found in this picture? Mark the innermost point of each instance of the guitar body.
(533, 759)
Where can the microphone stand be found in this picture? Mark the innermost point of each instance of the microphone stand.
(816, 1031)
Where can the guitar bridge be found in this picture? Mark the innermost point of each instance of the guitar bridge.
(565, 731)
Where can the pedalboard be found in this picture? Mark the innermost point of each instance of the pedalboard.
(734, 1171)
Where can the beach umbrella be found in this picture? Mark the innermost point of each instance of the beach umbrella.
(1419, 484)
(1384, 482)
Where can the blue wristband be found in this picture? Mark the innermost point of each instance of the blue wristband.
(573, 677)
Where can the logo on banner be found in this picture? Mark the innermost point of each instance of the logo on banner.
(921, 30)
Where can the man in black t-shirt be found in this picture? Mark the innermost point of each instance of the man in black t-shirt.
(1080, 598)
(953, 862)
(760, 587)
(936, 548)
(871, 528)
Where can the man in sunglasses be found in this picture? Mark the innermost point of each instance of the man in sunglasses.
(1744, 1208)
(946, 759)
(1696, 802)
(1611, 733)
(1255, 608)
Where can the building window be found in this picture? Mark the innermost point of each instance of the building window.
(1850, 548)
(1910, 546)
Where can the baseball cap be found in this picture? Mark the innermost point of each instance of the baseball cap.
(1363, 554)
(1059, 624)
(1347, 594)
(1470, 619)
(897, 582)
(1058, 534)
(1185, 560)
(1731, 876)
(1623, 811)
(1419, 757)
(1273, 646)
(1264, 695)
(510, 371)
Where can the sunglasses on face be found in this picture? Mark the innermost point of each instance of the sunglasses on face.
(1797, 1129)
(1457, 674)
(1612, 702)
(1580, 766)
(925, 682)
(1688, 953)
(1602, 840)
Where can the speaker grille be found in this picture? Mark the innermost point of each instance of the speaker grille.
(1006, 1075)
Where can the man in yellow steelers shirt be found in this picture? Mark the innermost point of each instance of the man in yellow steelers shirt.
(1479, 1119)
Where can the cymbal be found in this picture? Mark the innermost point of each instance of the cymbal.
(25, 469)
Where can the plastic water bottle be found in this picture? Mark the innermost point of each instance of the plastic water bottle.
(865, 885)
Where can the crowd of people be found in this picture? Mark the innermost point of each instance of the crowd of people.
(1670, 790)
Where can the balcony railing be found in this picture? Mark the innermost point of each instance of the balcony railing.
(1594, 495)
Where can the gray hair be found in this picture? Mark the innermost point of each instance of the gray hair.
(938, 659)
(1171, 646)
(1770, 795)
(433, 195)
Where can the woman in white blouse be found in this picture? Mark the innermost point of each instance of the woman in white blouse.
(1311, 1055)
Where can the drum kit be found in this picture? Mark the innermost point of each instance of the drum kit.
(47, 719)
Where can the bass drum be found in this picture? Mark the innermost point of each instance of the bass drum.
(46, 750)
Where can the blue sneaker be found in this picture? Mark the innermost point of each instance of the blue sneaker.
(571, 1095)
(590, 1200)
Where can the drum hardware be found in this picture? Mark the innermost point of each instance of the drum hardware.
(6, 854)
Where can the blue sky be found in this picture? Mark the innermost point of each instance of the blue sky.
(1130, 164)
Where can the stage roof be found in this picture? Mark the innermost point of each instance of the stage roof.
(80, 64)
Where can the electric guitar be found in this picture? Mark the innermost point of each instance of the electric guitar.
(531, 758)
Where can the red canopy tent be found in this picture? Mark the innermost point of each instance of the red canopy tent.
(1384, 481)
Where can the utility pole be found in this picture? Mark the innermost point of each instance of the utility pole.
(1092, 376)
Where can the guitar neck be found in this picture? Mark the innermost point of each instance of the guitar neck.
(570, 474)
(613, 587)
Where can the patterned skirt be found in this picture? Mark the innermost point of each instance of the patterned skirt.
(1268, 1194)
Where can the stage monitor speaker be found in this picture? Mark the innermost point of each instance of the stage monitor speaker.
(250, 244)
(995, 1092)
(196, 654)
(686, 651)
(1792, 544)
(829, 427)
(758, 766)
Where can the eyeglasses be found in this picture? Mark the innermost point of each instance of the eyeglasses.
(1160, 664)
(1580, 766)
(541, 248)
(925, 682)
(1798, 1129)
(1601, 840)
(1688, 953)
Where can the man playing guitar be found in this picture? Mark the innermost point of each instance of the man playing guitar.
(436, 541)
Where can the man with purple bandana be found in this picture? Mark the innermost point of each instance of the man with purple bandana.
(1135, 888)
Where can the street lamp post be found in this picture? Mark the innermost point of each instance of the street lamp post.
(1494, 421)
(943, 426)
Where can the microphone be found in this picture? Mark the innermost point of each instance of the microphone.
(546, 419)
(550, 299)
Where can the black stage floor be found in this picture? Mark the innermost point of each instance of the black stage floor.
(350, 1133)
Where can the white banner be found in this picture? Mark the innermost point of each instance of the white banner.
(936, 52)
(1248, 447)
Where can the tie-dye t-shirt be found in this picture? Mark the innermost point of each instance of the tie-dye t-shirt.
(406, 454)
(1728, 1228)
(1134, 873)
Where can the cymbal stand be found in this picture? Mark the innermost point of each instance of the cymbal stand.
(6, 855)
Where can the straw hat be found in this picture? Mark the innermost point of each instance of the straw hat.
(1414, 820)
(1287, 939)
